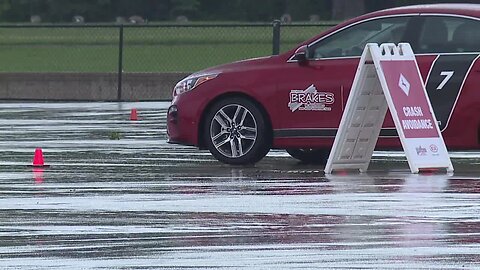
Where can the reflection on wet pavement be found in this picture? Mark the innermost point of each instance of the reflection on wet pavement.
(140, 203)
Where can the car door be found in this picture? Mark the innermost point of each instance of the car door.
(313, 94)
(449, 46)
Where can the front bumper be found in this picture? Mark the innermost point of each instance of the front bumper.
(182, 127)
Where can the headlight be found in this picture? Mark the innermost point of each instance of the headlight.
(190, 83)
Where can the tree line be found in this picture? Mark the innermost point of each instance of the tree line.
(195, 10)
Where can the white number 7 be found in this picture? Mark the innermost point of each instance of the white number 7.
(448, 75)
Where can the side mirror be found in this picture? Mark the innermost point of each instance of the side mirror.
(301, 54)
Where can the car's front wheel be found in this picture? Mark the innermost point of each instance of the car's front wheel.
(310, 156)
(236, 132)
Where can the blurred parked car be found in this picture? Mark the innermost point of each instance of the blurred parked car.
(295, 100)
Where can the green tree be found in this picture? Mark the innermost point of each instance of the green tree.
(300, 10)
(185, 7)
(226, 10)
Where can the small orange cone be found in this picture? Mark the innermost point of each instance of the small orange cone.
(133, 115)
(38, 158)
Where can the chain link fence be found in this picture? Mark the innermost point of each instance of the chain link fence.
(146, 48)
(58, 48)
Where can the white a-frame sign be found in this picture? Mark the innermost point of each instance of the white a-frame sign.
(388, 78)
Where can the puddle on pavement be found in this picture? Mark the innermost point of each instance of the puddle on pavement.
(140, 203)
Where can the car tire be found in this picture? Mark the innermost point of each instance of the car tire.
(310, 156)
(236, 131)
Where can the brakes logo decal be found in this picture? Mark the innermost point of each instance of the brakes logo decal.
(310, 100)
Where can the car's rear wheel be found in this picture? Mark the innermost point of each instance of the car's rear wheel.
(310, 156)
(236, 132)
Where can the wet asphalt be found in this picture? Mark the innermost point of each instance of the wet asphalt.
(117, 196)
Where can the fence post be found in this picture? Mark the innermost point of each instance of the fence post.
(276, 37)
(120, 63)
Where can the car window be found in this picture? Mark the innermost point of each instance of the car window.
(441, 34)
(352, 41)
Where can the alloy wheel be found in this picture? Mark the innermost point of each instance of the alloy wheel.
(233, 130)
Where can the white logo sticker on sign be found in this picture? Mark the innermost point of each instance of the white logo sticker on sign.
(404, 84)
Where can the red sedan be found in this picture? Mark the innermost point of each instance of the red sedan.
(295, 100)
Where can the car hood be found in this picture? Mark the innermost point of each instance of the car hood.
(237, 66)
